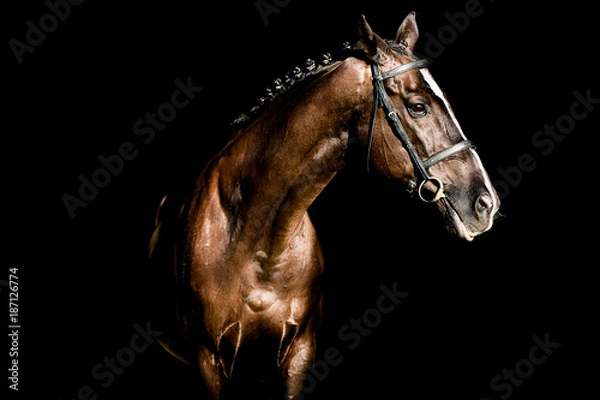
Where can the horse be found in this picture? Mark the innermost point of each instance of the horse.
(245, 289)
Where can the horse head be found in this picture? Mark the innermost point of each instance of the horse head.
(422, 142)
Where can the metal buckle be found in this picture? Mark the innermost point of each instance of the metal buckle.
(411, 186)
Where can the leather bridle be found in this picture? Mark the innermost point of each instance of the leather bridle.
(421, 174)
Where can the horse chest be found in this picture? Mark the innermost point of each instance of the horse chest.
(273, 291)
(259, 299)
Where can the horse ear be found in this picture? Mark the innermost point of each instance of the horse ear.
(373, 45)
(408, 32)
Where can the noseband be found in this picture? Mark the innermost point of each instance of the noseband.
(421, 174)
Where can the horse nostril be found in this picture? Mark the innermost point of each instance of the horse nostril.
(484, 205)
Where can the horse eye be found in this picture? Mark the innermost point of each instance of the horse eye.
(418, 110)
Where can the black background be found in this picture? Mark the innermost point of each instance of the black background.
(473, 308)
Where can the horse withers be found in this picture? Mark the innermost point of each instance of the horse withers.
(243, 261)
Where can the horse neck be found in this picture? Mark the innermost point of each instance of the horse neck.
(281, 163)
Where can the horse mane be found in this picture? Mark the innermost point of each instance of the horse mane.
(307, 73)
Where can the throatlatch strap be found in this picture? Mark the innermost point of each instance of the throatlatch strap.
(371, 126)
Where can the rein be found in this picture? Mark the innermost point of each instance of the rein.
(421, 174)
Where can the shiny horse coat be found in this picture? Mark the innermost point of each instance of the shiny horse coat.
(241, 257)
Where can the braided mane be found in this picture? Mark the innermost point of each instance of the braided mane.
(296, 75)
